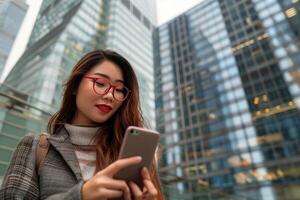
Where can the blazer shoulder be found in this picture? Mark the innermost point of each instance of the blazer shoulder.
(27, 143)
(20, 180)
(25, 151)
(27, 139)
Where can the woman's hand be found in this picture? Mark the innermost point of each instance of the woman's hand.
(102, 186)
(149, 191)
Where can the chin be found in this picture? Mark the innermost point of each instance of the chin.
(100, 120)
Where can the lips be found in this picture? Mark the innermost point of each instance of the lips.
(104, 108)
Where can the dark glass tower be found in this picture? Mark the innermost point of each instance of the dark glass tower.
(228, 98)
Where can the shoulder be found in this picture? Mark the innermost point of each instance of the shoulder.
(27, 146)
(27, 142)
(31, 138)
(20, 179)
(24, 148)
(27, 139)
(23, 155)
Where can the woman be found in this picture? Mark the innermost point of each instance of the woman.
(101, 99)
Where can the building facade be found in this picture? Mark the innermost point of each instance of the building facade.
(66, 30)
(17, 118)
(12, 13)
(227, 98)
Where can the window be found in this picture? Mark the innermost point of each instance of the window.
(147, 23)
(136, 12)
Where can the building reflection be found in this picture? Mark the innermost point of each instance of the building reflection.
(232, 69)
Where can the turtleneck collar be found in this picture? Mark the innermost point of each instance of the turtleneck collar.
(81, 135)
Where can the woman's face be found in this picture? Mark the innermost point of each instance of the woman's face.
(93, 108)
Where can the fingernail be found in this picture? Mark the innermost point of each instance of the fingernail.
(144, 169)
(139, 158)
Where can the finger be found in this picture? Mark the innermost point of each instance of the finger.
(151, 190)
(136, 191)
(145, 173)
(113, 168)
(145, 190)
(116, 185)
(107, 193)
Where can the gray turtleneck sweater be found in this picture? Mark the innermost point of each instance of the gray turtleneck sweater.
(85, 148)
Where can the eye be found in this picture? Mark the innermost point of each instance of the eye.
(100, 83)
(121, 90)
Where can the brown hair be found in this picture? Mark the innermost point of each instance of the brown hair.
(112, 131)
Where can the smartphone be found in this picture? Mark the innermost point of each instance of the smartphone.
(137, 142)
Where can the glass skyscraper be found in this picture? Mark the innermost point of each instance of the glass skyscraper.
(227, 97)
(66, 30)
(12, 13)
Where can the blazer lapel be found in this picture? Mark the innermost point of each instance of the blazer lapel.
(61, 142)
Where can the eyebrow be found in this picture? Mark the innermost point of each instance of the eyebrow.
(104, 75)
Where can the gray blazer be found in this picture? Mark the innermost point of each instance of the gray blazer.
(58, 178)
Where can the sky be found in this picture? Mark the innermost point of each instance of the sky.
(166, 10)
(22, 37)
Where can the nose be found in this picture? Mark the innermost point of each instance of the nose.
(109, 94)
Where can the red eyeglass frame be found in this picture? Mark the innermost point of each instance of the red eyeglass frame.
(94, 79)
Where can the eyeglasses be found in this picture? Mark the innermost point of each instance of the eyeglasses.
(101, 86)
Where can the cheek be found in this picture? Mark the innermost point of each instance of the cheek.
(117, 107)
(81, 106)
(83, 98)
